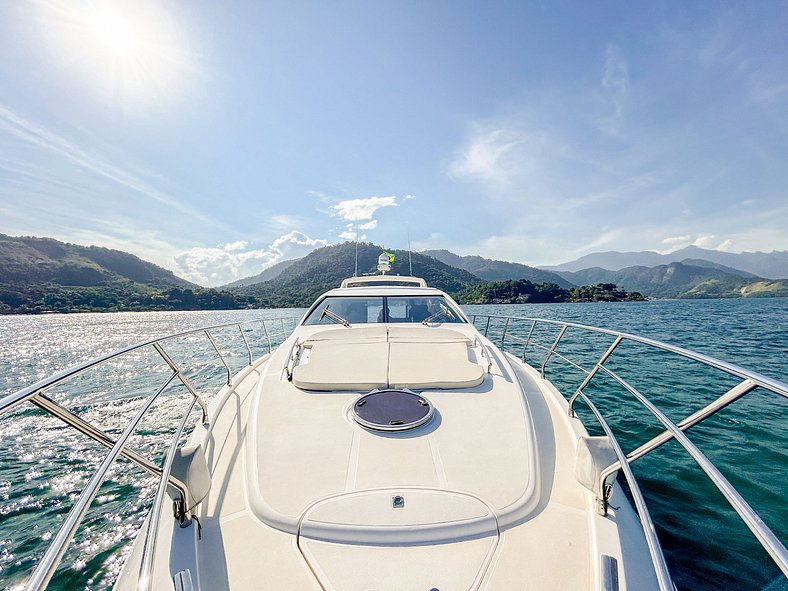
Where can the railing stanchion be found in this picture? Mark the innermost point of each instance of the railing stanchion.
(592, 373)
(503, 335)
(552, 349)
(284, 330)
(221, 357)
(487, 326)
(184, 380)
(248, 348)
(267, 337)
(528, 340)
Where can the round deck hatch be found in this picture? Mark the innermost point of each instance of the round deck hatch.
(392, 410)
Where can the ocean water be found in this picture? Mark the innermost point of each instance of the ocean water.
(44, 465)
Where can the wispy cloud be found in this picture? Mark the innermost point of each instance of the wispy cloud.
(615, 86)
(32, 134)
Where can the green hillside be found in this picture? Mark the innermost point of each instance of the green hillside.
(45, 275)
(679, 280)
(493, 270)
(523, 291)
(326, 267)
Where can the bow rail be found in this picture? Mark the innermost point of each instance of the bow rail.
(673, 431)
(36, 394)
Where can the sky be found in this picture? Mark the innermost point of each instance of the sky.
(217, 138)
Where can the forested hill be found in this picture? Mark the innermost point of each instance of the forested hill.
(326, 267)
(45, 275)
(493, 270)
(27, 259)
(523, 291)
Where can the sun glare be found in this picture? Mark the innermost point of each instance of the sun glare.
(130, 49)
(116, 32)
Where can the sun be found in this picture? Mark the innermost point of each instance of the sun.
(132, 51)
(117, 33)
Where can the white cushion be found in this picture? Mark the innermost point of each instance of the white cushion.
(426, 366)
(335, 365)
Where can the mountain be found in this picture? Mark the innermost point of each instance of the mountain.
(325, 268)
(679, 280)
(28, 259)
(492, 270)
(709, 265)
(46, 275)
(773, 265)
(271, 272)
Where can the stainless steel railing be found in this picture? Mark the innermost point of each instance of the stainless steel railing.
(36, 394)
(673, 431)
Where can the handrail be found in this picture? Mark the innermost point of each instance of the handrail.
(54, 553)
(750, 381)
(35, 394)
(764, 381)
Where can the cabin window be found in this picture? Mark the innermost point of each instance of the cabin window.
(394, 309)
(356, 310)
(418, 308)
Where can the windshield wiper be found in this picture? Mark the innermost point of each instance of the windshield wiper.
(444, 311)
(333, 316)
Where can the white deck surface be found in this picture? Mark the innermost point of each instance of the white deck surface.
(492, 472)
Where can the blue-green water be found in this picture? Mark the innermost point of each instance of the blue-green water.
(44, 465)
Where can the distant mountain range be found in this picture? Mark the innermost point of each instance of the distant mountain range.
(492, 270)
(680, 280)
(45, 275)
(772, 265)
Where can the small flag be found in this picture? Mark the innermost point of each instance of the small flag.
(391, 256)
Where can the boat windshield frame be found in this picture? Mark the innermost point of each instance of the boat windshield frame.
(313, 317)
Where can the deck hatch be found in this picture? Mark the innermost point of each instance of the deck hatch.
(392, 410)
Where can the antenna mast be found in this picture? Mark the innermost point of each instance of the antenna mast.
(410, 261)
(355, 271)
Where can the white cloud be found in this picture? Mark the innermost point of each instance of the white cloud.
(370, 225)
(231, 261)
(705, 241)
(233, 246)
(296, 238)
(355, 210)
(676, 242)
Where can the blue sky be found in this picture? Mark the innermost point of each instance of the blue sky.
(216, 138)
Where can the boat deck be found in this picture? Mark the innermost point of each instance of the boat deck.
(554, 541)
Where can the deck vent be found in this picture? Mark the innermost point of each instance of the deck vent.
(392, 410)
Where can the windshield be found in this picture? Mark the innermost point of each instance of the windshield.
(370, 310)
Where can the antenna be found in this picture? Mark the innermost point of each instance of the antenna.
(355, 272)
(410, 261)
